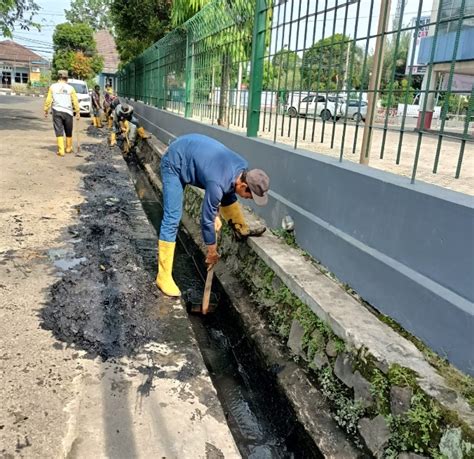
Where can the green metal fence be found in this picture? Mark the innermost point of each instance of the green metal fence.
(383, 82)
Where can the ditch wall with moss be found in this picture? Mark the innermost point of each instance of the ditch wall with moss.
(381, 407)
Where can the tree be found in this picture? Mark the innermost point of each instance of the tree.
(18, 13)
(183, 10)
(75, 50)
(325, 65)
(395, 58)
(92, 12)
(288, 74)
(138, 24)
(286, 59)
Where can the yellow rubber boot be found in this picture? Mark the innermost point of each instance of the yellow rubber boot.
(234, 216)
(60, 141)
(93, 122)
(68, 144)
(98, 122)
(142, 134)
(164, 280)
(110, 122)
(113, 139)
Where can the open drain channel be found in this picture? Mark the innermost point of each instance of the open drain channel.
(261, 420)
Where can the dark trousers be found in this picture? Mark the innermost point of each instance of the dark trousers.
(62, 123)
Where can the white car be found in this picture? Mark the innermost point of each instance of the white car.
(356, 110)
(85, 102)
(326, 107)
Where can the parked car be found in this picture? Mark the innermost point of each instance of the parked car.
(327, 107)
(355, 110)
(85, 102)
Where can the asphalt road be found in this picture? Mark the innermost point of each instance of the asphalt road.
(94, 363)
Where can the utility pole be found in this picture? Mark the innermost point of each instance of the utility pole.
(374, 82)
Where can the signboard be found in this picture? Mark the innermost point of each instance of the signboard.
(414, 47)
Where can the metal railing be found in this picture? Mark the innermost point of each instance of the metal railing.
(390, 85)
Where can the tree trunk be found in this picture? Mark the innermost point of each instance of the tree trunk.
(224, 93)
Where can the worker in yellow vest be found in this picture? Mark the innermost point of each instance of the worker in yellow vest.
(63, 99)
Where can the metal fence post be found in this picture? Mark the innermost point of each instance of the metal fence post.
(189, 78)
(256, 68)
(374, 83)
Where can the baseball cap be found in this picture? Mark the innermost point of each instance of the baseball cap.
(63, 74)
(259, 183)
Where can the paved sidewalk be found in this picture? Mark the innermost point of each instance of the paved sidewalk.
(151, 396)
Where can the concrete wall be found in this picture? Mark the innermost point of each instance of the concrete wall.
(406, 249)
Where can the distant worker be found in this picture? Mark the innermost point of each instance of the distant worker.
(96, 107)
(108, 98)
(63, 99)
(201, 161)
(126, 127)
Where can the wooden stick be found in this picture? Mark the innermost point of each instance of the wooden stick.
(207, 291)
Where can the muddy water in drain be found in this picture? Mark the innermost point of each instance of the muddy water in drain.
(260, 418)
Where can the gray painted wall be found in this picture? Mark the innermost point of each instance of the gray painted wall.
(406, 249)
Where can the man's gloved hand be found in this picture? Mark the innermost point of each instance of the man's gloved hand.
(212, 256)
(124, 126)
(242, 233)
(235, 218)
(217, 224)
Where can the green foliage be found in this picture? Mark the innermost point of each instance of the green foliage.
(138, 24)
(418, 431)
(347, 412)
(182, 10)
(75, 51)
(461, 382)
(269, 75)
(281, 315)
(380, 389)
(401, 376)
(324, 64)
(397, 93)
(62, 59)
(288, 73)
(17, 13)
(287, 236)
(457, 104)
(95, 13)
(395, 59)
(74, 37)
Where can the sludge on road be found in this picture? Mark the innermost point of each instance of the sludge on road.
(108, 306)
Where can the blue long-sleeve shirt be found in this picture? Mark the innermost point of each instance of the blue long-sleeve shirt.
(208, 164)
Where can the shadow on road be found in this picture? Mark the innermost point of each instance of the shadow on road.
(13, 119)
(50, 148)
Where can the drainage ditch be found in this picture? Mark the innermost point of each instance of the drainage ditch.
(261, 420)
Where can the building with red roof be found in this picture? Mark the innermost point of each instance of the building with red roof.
(19, 65)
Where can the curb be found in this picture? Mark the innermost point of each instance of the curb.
(20, 94)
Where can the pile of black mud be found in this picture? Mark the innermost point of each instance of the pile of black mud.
(100, 133)
(109, 305)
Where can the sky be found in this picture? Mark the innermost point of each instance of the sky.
(50, 14)
(314, 24)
